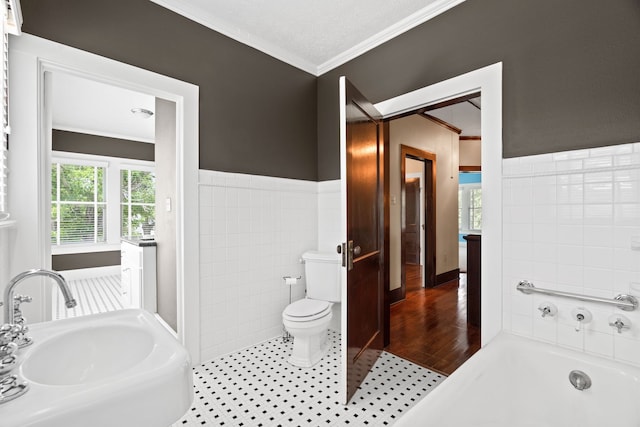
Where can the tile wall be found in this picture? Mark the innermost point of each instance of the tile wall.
(572, 223)
(253, 230)
(329, 233)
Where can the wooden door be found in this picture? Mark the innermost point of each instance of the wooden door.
(412, 221)
(362, 169)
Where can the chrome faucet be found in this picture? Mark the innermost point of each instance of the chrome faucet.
(9, 314)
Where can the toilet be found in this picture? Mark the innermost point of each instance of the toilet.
(307, 320)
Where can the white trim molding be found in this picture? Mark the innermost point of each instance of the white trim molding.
(488, 81)
(434, 9)
(211, 21)
(33, 59)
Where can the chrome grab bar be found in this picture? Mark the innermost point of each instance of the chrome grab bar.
(622, 301)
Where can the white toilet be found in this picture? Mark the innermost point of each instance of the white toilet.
(307, 320)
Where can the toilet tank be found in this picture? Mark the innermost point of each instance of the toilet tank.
(322, 271)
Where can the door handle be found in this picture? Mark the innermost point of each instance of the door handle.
(348, 251)
(350, 255)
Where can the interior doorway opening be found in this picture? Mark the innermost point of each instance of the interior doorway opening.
(429, 312)
(418, 217)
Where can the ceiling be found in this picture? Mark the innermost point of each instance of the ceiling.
(313, 35)
(463, 115)
(87, 106)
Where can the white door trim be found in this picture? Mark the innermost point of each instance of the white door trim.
(35, 57)
(488, 81)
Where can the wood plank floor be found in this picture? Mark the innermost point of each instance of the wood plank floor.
(94, 295)
(430, 326)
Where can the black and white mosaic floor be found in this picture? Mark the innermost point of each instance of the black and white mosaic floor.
(257, 387)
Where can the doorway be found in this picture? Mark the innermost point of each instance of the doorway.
(103, 182)
(417, 218)
(428, 320)
(32, 59)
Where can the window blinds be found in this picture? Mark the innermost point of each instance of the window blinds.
(4, 169)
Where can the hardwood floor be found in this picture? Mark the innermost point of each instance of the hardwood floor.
(430, 326)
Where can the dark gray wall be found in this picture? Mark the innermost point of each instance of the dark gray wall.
(74, 142)
(165, 232)
(570, 76)
(85, 260)
(257, 114)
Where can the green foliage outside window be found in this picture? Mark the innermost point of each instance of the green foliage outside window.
(138, 194)
(78, 205)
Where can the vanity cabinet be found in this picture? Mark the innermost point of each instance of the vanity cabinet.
(138, 274)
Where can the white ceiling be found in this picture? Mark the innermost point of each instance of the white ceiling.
(87, 106)
(462, 115)
(313, 35)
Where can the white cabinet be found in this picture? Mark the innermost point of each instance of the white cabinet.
(138, 278)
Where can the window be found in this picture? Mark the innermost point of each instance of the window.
(137, 203)
(78, 204)
(475, 208)
(470, 203)
(97, 200)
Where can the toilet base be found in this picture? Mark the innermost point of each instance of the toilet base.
(309, 350)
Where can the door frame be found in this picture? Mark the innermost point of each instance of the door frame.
(31, 59)
(428, 244)
(487, 81)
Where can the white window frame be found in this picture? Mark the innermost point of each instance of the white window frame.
(94, 202)
(112, 195)
(133, 167)
(465, 208)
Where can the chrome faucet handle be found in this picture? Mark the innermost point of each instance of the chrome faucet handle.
(9, 333)
(19, 299)
(619, 322)
(9, 360)
(15, 334)
(8, 349)
(11, 389)
(548, 309)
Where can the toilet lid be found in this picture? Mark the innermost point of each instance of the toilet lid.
(306, 307)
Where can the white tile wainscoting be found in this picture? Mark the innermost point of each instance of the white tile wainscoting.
(570, 220)
(253, 230)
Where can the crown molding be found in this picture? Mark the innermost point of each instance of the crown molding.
(412, 21)
(210, 21)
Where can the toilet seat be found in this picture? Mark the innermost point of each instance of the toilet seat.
(306, 309)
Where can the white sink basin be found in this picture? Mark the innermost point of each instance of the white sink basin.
(121, 368)
(87, 355)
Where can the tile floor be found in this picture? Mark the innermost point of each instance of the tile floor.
(257, 387)
(94, 295)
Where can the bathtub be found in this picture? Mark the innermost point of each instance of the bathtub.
(519, 382)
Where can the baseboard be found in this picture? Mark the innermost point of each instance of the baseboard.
(396, 295)
(447, 277)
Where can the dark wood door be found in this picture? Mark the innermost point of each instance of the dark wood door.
(412, 221)
(362, 166)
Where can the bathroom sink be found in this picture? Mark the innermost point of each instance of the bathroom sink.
(87, 355)
(121, 368)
